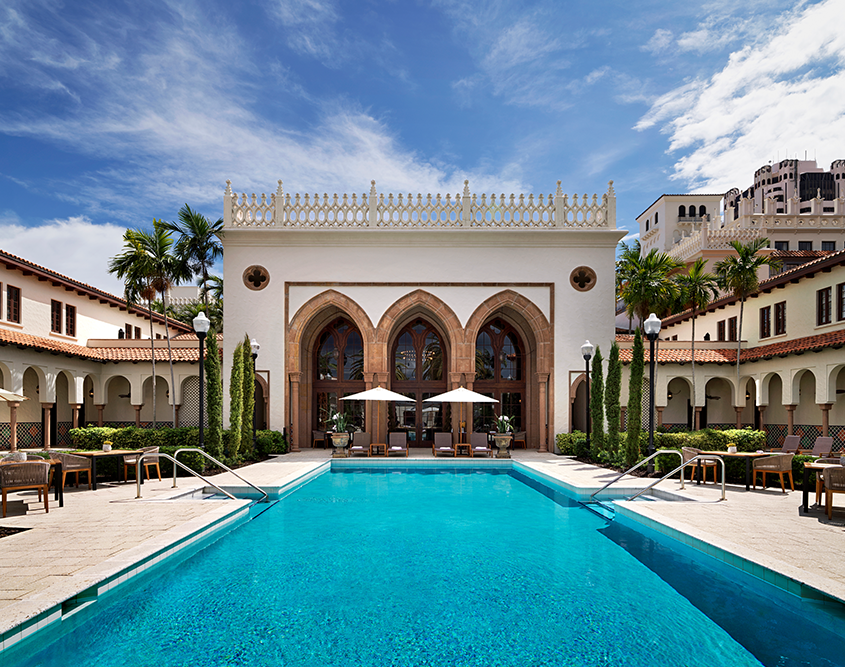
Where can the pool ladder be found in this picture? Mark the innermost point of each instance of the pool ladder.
(680, 468)
(176, 463)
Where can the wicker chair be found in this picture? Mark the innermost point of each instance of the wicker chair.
(479, 444)
(519, 440)
(360, 443)
(689, 453)
(820, 477)
(26, 475)
(131, 460)
(443, 445)
(397, 443)
(834, 482)
(779, 464)
(73, 464)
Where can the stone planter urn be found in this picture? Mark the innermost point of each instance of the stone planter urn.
(502, 441)
(339, 442)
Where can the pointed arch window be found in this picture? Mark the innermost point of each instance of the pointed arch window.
(499, 373)
(338, 371)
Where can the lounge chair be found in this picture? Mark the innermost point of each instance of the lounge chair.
(149, 461)
(778, 464)
(519, 440)
(443, 445)
(478, 444)
(360, 443)
(834, 482)
(689, 453)
(25, 475)
(73, 464)
(791, 445)
(397, 443)
(318, 436)
(821, 447)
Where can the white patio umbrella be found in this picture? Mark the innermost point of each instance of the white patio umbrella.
(12, 398)
(380, 395)
(460, 395)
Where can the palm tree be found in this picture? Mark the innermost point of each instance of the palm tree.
(628, 255)
(738, 275)
(154, 265)
(697, 288)
(128, 266)
(199, 243)
(647, 286)
(213, 285)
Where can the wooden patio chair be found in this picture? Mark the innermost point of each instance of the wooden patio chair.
(821, 447)
(834, 482)
(360, 443)
(397, 443)
(778, 464)
(26, 475)
(73, 464)
(443, 445)
(131, 460)
(820, 477)
(318, 436)
(519, 440)
(689, 453)
(479, 444)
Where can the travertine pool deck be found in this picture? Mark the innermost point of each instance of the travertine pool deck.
(99, 533)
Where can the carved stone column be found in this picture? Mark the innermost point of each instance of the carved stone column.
(294, 378)
(659, 410)
(762, 411)
(790, 418)
(825, 408)
(697, 423)
(138, 414)
(47, 408)
(543, 383)
(623, 418)
(100, 409)
(738, 417)
(177, 406)
(13, 425)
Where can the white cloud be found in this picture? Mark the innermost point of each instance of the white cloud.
(784, 93)
(74, 247)
(660, 41)
(181, 113)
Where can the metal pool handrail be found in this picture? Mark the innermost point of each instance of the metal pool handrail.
(644, 461)
(695, 459)
(222, 465)
(175, 463)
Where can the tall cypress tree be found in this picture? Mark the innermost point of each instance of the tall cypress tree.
(249, 397)
(597, 407)
(612, 391)
(635, 401)
(236, 402)
(214, 394)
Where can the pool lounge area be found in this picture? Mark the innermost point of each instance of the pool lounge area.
(758, 533)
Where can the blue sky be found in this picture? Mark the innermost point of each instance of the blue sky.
(114, 113)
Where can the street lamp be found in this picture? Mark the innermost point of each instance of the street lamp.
(587, 352)
(201, 325)
(255, 347)
(652, 329)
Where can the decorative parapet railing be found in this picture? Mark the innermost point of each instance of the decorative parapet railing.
(711, 239)
(376, 210)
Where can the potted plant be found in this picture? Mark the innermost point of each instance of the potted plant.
(340, 437)
(503, 436)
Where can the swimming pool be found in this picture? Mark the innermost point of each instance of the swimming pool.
(436, 567)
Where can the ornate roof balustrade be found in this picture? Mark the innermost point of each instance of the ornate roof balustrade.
(376, 210)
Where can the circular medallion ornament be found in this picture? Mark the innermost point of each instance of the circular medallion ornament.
(256, 277)
(583, 278)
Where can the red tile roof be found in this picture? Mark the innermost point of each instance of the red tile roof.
(140, 353)
(834, 339)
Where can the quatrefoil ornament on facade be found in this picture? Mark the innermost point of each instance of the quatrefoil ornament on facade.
(256, 277)
(583, 278)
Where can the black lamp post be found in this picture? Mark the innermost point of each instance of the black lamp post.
(587, 352)
(201, 325)
(255, 347)
(652, 329)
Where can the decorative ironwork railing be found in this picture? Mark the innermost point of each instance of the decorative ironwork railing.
(375, 210)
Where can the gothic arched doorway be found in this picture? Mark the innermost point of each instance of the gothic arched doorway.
(419, 372)
(338, 371)
(500, 374)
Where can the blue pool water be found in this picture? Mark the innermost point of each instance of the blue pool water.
(375, 567)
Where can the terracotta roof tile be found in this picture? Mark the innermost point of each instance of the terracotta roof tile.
(141, 353)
